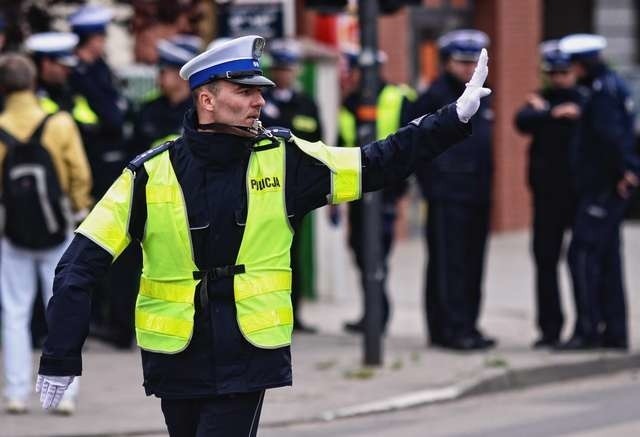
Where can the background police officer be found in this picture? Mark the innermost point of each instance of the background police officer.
(287, 107)
(213, 314)
(606, 168)
(457, 187)
(550, 117)
(93, 79)
(392, 104)
(160, 118)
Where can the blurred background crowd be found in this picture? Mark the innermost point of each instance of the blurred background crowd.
(553, 148)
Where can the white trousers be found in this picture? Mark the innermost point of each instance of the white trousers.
(18, 288)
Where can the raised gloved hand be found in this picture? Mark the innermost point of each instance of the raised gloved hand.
(51, 389)
(469, 102)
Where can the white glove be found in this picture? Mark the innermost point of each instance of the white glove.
(469, 102)
(51, 389)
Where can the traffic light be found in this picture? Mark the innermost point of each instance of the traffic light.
(327, 6)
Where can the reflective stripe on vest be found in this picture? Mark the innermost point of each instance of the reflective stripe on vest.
(81, 111)
(345, 165)
(389, 106)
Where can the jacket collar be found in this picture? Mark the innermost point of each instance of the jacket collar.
(213, 148)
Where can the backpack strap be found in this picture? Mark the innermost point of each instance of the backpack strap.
(37, 133)
(9, 140)
(12, 141)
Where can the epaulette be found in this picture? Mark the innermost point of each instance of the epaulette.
(137, 162)
(281, 132)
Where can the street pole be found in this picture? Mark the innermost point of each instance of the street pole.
(372, 226)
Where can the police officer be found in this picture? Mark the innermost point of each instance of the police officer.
(213, 213)
(93, 79)
(550, 117)
(457, 187)
(392, 104)
(606, 168)
(160, 118)
(287, 107)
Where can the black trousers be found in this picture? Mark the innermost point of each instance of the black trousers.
(553, 214)
(235, 415)
(456, 240)
(596, 267)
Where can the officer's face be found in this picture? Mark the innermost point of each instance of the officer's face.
(461, 70)
(235, 104)
(53, 73)
(284, 77)
(562, 78)
(169, 80)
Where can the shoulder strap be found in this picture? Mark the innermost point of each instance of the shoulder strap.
(137, 162)
(9, 140)
(37, 133)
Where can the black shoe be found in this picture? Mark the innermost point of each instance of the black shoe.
(464, 343)
(578, 343)
(615, 344)
(354, 327)
(544, 342)
(484, 341)
(358, 327)
(302, 328)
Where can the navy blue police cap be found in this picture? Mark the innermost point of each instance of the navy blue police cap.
(284, 53)
(352, 55)
(582, 45)
(177, 50)
(3, 24)
(90, 19)
(237, 60)
(58, 46)
(553, 59)
(463, 44)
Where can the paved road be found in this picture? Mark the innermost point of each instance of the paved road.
(603, 407)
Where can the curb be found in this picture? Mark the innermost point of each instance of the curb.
(496, 381)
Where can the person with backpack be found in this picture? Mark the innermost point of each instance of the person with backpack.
(45, 181)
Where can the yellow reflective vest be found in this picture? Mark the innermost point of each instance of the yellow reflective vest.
(389, 105)
(262, 274)
(81, 112)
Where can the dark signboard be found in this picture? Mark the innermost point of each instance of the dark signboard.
(264, 19)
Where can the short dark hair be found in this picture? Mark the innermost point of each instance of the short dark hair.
(17, 73)
(210, 86)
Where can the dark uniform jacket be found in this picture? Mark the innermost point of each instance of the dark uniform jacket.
(299, 113)
(462, 174)
(605, 146)
(211, 169)
(157, 119)
(104, 141)
(550, 139)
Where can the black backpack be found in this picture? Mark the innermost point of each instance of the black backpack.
(36, 209)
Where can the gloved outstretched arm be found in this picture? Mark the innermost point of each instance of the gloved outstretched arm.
(52, 388)
(469, 102)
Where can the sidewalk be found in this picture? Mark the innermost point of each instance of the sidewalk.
(329, 381)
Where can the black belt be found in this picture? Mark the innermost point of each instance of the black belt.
(213, 274)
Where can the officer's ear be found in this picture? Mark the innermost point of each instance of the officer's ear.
(206, 96)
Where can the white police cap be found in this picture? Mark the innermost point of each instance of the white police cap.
(463, 44)
(582, 45)
(237, 61)
(218, 42)
(90, 19)
(55, 45)
(284, 52)
(178, 50)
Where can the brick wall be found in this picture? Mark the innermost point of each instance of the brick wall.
(515, 29)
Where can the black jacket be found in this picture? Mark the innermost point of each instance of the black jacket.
(549, 167)
(605, 144)
(211, 170)
(462, 174)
